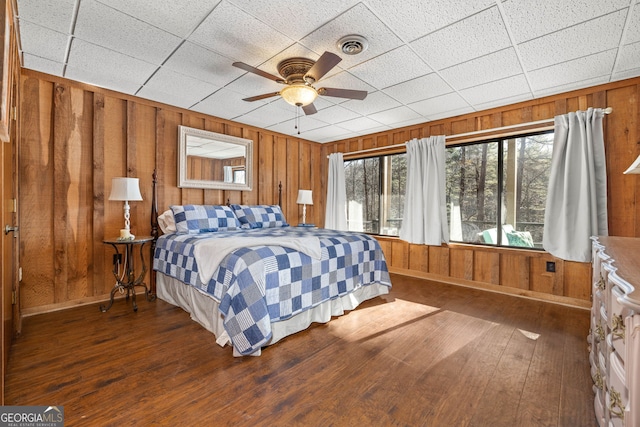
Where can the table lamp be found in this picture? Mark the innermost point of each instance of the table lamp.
(125, 189)
(304, 199)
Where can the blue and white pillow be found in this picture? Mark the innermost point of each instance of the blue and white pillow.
(260, 216)
(195, 219)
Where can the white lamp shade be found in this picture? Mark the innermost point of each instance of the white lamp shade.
(125, 189)
(635, 167)
(304, 197)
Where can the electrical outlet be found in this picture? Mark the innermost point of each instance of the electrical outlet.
(551, 266)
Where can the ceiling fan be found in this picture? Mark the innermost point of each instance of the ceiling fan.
(299, 75)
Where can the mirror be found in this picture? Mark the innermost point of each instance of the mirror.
(213, 160)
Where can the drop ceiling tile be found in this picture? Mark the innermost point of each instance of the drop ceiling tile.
(54, 14)
(527, 22)
(628, 74)
(503, 101)
(470, 38)
(370, 130)
(236, 34)
(494, 66)
(395, 116)
(252, 85)
(629, 58)
(574, 85)
(360, 124)
(585, 39)
(176, 17)
(373, 103)
(633, 27)
(440, 106)
(357, 20)
(305, 123)
(106, 66)
(184, 89)
(203, 64)
(325, 134)
(103, 79)
(390, 68)
(165, 98)
(585, 68)
(43, 65)
(424, 87)
(104, 26)
(335, 114)
(226, 104)
(267, 115)
(307, 17)
(43, 42)
(411, 19)
(496, 90)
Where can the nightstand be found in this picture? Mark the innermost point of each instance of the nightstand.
(124, 269)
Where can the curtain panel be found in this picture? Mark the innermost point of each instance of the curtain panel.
(336, 211)
(424, 219)
(576, 207)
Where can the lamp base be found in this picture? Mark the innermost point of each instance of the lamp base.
(126, 235)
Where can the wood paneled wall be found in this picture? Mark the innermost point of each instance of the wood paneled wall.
(76, 137)
(511, 270)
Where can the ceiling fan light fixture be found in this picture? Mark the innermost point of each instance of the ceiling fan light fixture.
(299, 95)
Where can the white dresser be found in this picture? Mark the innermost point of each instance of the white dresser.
(614, 338)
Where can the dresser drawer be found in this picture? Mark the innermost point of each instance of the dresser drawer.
(617, 395)
(598, 406)
(616, 322)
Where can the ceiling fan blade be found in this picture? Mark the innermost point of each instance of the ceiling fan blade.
(309, 109)
(259, 97)
(322, 66)
(343, 93)
(257, 71)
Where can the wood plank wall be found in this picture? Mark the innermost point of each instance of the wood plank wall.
(511, 270)
(76, 137)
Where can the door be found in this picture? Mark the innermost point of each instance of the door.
(9, 207)
(9, 249)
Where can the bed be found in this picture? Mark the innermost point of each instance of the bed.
(251, 279)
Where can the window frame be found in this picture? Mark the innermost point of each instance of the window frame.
(499, 138)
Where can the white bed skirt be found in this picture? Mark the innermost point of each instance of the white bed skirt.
(204, 309)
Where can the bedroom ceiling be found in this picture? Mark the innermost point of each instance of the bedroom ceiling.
(427, 59)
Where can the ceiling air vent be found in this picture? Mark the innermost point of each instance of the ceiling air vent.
(353, 44)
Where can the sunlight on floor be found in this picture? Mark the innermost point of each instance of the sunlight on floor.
(531, 335)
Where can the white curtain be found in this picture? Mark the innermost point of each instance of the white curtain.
(424, 220)
(577, 195)
(336, 213)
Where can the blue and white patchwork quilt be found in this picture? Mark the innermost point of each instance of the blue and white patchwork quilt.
(266, 283)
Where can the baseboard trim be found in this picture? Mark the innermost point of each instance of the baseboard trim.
(539, 296)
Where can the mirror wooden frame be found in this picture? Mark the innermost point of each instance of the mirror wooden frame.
(184, 182)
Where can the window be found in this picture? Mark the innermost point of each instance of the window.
(375, 193)
(498, 184)
(496, 190)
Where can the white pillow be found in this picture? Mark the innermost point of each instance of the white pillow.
(166, 222)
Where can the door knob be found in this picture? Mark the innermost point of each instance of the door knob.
(8, 229)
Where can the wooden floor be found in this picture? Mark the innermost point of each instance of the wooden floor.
(427, 354)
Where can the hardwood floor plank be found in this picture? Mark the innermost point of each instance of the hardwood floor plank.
(427, 354)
